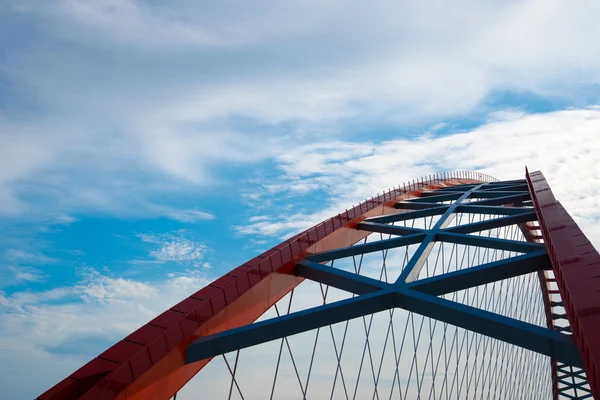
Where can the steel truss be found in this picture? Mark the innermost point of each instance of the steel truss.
(486, 308)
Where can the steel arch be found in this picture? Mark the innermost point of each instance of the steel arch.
(155, 361)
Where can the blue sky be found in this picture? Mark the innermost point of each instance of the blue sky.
(147, 148)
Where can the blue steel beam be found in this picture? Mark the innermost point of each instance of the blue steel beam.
(366, 248)
(513, 182)
(489, 242)
(482, 274)
(494, 194)
(491, 210)
(437, 198)
(406, 216)
(389, 229)
(287, 325)
(412, 205)
(500, 201)
(374, 295)
(458, 188)
(494, 223)
(415, 264)
(519, 187)
(522, 334)
(436, 192)
(338, 278)
(436, 285)
(532, 337)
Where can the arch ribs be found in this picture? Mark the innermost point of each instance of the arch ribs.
(155, 361)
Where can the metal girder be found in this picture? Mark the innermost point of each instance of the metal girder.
(435, 193)
(494, 194)
(489, 242)
(494, 223)
(420, 295)
(482, 274)
(287, 325)
(406, 216)
(491, 210)
(501, 183)
(500, 201)
(415, 264)
(437, 285)
(366, 248)
(390, 229)
(438, 198)
(522, 334)
(458, 188)
(338, 278)
(519, 187)
(529, 336)
(413, 205)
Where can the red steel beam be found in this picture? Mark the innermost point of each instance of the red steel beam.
(150, 364)
(576, 266)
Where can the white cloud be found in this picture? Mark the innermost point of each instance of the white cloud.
(27, 274)
(104, 289)
(564, 145)
(190, 216)
(175, 248)
(118, 102)
(23, 256)
(196, 86)
(99, 310)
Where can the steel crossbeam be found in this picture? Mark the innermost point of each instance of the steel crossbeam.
(420, 296)
(384, 296)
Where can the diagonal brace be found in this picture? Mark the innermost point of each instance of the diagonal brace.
(366, 248)
(469, 208)
(338, 278)
(500, 201)
(390, 229)
(519, 333)
(286, 325)
(489, 242)
(406, 216)
(494, 223)
(482, 274)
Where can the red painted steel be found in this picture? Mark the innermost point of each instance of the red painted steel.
(528, 229)
(150, 362)
(576, 266)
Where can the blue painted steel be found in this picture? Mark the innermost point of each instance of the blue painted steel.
(482, 274)
(338, 278)
(519, 187)
(493, 194)
(412, 205)
(529, 336)
(494, 223)
(458, 188)
(519, 333)
(489, 242)
(500, 201)
(414, 266)
(366, 248)
(501, 183)
(286, 325)
(405, 216)
(435, 193)
(390, 229)
(437, 285)
(420, 296)
(437, 198)
(491, 210)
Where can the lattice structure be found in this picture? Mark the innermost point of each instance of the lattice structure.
(443, 288)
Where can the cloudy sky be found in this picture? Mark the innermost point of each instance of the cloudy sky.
(148, 147)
